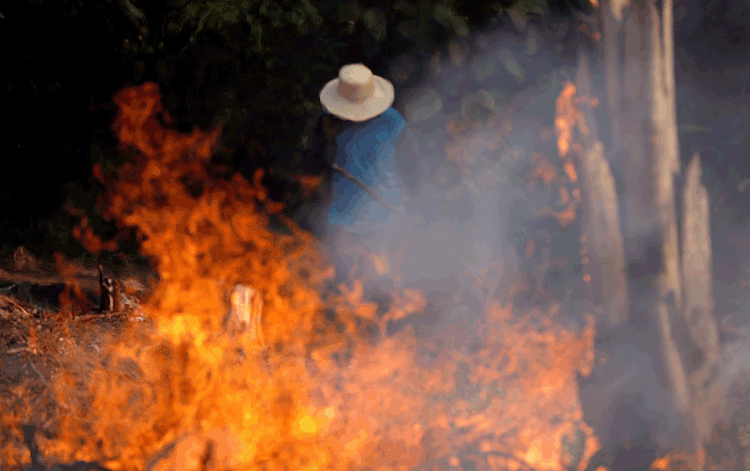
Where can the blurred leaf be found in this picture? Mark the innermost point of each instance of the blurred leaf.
(530, 7)
(511, 65)
(406, 7)
(423, 106)
(349, 11)
(407, 29)
(518, 19)
(483, 67)
(262, 16)
(173, 27)
(450, 20)
(470, 108)
(485, 100)
(369, 45)
(532, 43)
(474, 104)
(135, 15)
(375, 23)
(456, 52)
(403, 67)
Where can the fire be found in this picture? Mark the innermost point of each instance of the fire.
(322, 394)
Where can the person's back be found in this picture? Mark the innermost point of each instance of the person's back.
(353, 148)
(366, 152)
(363, 148)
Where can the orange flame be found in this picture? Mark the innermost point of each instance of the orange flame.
(321, 395)
(566, 117)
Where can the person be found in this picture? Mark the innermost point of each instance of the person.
(353, 149)
(370, 161)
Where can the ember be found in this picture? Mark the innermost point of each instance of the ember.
(323, 394)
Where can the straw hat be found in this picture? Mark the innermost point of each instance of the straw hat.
(357, 94)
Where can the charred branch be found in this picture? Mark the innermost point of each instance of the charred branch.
(109, 292)
(37, 461)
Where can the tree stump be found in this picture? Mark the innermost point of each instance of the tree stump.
(245, 313)
(109, 293)
(24, 260)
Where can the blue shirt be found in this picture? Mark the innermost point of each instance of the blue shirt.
(367, 151)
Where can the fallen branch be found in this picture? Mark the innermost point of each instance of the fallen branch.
(29, 434)
(9, 300)
(13, 351)
(109, 292)
(163, 453)
(33, 368)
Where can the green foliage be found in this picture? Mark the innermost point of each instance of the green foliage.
(256, 66)
(260, 19)
(375, 22)
(450, 20)
(528, 8)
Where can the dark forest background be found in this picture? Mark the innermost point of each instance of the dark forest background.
(256, 67)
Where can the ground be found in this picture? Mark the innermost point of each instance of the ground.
(35, 337)
(35, 307)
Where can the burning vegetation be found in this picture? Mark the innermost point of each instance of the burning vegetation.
(330, 386)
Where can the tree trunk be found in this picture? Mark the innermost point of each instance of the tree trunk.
(245, 314)
(703, 352)
(664, 306)
(650, 163)
(601, 215)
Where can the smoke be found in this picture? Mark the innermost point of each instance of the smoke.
(712, 74)
(469, 204)
(473, 124)
(736, 370)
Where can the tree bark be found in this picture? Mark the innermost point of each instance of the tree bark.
(703, 356)
(664, 305)
(245, 314)
(601, 215)
(649, 165)
(650, 220)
